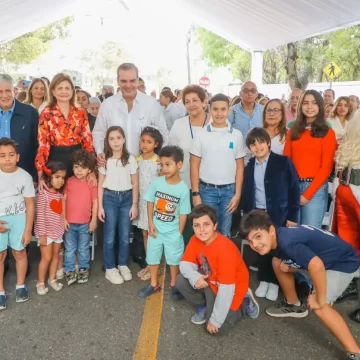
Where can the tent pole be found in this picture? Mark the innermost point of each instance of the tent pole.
(257, 67)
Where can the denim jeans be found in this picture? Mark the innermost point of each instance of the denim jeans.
(117, 206)
(219, 198)
(77, 239)
(313, 213)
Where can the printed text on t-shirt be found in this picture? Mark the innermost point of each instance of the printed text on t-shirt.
(165, 207)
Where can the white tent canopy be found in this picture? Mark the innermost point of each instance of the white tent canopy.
(255, 25)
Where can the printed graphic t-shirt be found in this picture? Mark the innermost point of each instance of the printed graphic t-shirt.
(298, 245)
(170, 201)
(14, 188)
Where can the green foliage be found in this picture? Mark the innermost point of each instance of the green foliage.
(301, 63)
(29, 47)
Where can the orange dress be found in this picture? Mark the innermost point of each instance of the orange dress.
(56, 131)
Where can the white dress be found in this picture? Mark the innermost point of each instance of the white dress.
(148, 171)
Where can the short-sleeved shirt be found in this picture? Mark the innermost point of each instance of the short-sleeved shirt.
(170, 201)
(118, 176)
(218, 148)
(79, 199)
(223, 264)
(14, 188)
(298, 245)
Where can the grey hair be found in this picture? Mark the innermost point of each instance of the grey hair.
(7, 78)
(94, 100)
(128, 66)
(108, 87)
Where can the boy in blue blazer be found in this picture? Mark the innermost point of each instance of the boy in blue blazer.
(270, 184)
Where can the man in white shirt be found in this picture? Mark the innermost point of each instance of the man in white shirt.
(130, 109)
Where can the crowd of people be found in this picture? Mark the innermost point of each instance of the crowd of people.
(183, 169)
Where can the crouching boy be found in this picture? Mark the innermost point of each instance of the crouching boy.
(213, 276)
(330, 262)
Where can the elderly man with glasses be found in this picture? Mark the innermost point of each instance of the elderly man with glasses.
(294, 99)
(247, 114)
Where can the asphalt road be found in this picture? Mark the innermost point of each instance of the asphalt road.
(101, 321)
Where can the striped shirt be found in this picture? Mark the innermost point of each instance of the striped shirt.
(49, 215)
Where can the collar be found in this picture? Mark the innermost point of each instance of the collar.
(56, 107)
(137, 97)
(241, 107)
(210, 128)
(11, 110)
(264, 162)
(154, 159)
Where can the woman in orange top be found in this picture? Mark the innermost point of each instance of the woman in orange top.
(63, 127)
(311, 145)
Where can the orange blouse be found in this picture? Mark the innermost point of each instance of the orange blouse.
(55, 130)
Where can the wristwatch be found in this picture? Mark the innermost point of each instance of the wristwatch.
(195, 193)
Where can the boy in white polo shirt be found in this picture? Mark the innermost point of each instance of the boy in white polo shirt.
(217, 164)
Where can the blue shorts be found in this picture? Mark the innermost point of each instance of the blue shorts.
(13, 237)
(173, 245)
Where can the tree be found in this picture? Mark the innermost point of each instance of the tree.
(103, 63)
(27, 48)
(75, 75)
(297, 63)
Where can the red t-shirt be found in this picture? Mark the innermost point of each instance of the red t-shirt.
(222, 261)
(79, 199)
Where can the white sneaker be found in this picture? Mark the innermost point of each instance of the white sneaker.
(59, 274)
(273, 292)
(262, 289)
(113, 276)
(125, 272)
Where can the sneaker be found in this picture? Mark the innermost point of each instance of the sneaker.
(59, 274)
(22, 294)
(148, 290)
(252, 307)
(113, 276)
(70, 277)
(3, 299)
(283, 309)
(176, 295)
(262, 289)
(125, 272)
(273, 292)
(353, 356)
(199, 317)
(83, 276)
(350, 293)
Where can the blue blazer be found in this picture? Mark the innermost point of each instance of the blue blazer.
(24, 131)
(281, 189)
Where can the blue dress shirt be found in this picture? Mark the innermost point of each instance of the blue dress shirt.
(241, 120)
(5, 121)
(259, 175)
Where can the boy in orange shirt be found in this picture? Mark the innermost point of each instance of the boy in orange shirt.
(214, 277)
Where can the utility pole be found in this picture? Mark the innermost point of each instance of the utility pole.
(188, 40)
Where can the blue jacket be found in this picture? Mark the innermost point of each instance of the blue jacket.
(24, 131)
(281, 189)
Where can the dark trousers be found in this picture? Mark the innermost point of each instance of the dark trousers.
(206, 297)
(265, 269)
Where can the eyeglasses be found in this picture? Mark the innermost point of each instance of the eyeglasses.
(274, 111)
(295, 98)
(247, 91)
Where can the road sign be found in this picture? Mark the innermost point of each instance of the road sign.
(332, 70)
(204, 81)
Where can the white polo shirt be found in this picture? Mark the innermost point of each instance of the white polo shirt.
(218, 148)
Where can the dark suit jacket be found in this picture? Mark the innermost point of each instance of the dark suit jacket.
(24, 131)
(281, 189)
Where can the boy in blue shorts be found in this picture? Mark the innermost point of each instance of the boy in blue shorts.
(329, 261)
(17, 211)
(168, 204)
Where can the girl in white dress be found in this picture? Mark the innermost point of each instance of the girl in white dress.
(148, 162)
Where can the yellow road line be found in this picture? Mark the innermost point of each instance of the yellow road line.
(147, 344)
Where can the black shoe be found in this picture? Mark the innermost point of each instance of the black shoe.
(70, 277)
(176, 295)
(22, 294)
(83, 276)
(355, 315)
(140, 261)
(350, 293)
(3, 302)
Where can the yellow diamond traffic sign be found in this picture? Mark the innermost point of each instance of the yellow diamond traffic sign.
(332, 70)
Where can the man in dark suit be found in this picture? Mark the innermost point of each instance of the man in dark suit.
(18, 122)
